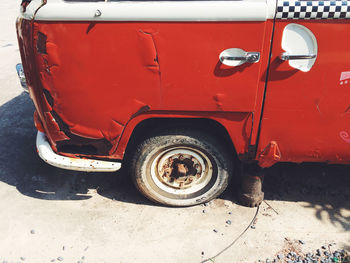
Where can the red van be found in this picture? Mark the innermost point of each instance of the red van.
(181, 91)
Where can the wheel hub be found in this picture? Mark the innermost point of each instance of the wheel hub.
(180, 170)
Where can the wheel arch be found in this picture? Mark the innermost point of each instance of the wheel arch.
(231, 131)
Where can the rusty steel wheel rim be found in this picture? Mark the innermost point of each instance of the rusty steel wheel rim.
(181, 170)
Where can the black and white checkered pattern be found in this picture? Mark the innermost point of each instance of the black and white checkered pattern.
(293, 9)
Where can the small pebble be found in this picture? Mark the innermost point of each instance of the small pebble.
(60, 258)
(230, 213)
(301, 242)
(253, 227)
(205, 204)
(83, 257)
(203, 211)
(23, 258)
(323, 247)
(268, 261)
(228, 222)
(80, 261)
(202, 253)
(86, 248)
(280, 256)
(32, 231)
(53, 260)
(63, 248)
(215, 231)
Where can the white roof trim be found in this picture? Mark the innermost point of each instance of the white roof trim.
(245, 10)
(271, 7)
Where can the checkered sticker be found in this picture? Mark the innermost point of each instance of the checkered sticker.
(337, 9)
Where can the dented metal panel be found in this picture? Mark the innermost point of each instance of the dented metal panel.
(130, 69)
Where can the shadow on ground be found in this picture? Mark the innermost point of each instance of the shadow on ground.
(20, 166)
(326, 188)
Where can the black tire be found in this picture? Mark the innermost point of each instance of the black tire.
(181, 168)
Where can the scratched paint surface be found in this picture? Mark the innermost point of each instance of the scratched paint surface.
(95, 77)
(307, 114)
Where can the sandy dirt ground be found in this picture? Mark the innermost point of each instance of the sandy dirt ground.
(52, 215)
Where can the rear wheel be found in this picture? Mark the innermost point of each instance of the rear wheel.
(181, 168)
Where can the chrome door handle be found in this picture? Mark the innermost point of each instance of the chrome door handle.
(285, 56)
(235, 56)
(251, 57)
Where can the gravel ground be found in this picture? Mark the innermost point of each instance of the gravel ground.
(293, 254)
(53, 215)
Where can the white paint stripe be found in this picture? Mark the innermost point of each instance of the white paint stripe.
(246, 10)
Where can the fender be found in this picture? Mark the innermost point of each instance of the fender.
(237, 124)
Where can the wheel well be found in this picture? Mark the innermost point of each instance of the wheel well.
(147, 127)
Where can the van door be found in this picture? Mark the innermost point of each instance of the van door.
(198, 72)
(307, 108)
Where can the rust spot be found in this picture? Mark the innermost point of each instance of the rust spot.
(85, 146)
(77, 144)
(41, 43)
(52, 124)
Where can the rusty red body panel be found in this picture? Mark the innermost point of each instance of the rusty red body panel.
(94, 100)
(93, 82)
